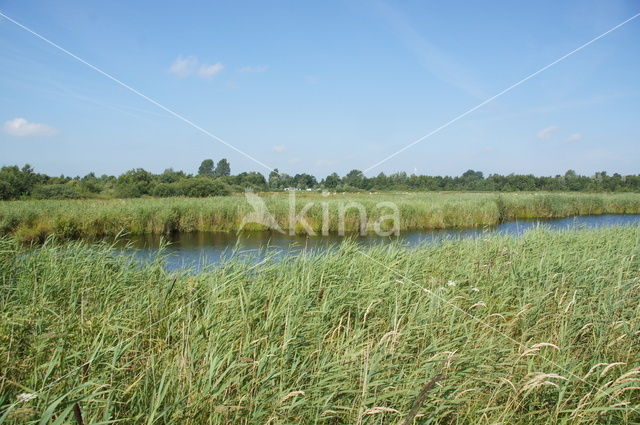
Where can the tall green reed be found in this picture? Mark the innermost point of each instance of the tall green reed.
(330, 338)
(35, 220)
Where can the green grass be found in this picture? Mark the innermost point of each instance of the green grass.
(539, 329)
(35, 220)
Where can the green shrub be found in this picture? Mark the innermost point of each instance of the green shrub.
(165, 190)
(56, 191)
(202, 187)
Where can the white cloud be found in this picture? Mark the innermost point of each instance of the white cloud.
(183, 67)
(208, 71)
(186, 66)
(576, 137)
(279, 148)
(20, 127)
(258, 68)
(546, 133)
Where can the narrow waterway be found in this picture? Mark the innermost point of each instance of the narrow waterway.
(199, 249)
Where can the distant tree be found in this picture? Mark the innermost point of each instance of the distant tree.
(380, 181)
(89, 184)
(165, 190)
(202, 187)
(223, 168)
(171, 176)
(599, 176)
(57, 191)
(206, 168)
(253, 179)
(572, 181)
(23, 182)
(354, 178)
(398, 179)
(332, 181)
(6, 191)
(472, 175)
(18, 182)
(304, 181)
(134, 183)
(285, 180)
(274, 179)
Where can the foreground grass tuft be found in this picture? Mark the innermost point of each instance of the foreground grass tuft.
(539, 329)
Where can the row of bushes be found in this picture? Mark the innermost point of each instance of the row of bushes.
(25, 183)
(198, 187)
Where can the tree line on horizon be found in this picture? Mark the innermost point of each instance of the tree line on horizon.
(214, 179)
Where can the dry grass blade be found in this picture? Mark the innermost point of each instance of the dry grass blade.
(420, 399)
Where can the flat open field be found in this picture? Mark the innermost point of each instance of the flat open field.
(34, 220)
(539, 329)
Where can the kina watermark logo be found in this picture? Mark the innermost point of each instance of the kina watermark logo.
(321, 216)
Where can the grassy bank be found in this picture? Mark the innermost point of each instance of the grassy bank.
(539, 329)
(35, 220)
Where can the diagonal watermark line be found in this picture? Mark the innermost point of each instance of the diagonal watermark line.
(133, 90)
(482, 322)
(492, 98)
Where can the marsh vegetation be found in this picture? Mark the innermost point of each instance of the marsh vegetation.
(538, 329)
(33, 221)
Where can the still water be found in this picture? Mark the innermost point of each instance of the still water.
(200, 249)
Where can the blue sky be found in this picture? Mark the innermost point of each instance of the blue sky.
(321, 86)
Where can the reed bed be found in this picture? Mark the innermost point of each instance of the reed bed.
(33, 221)
(539, 329)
